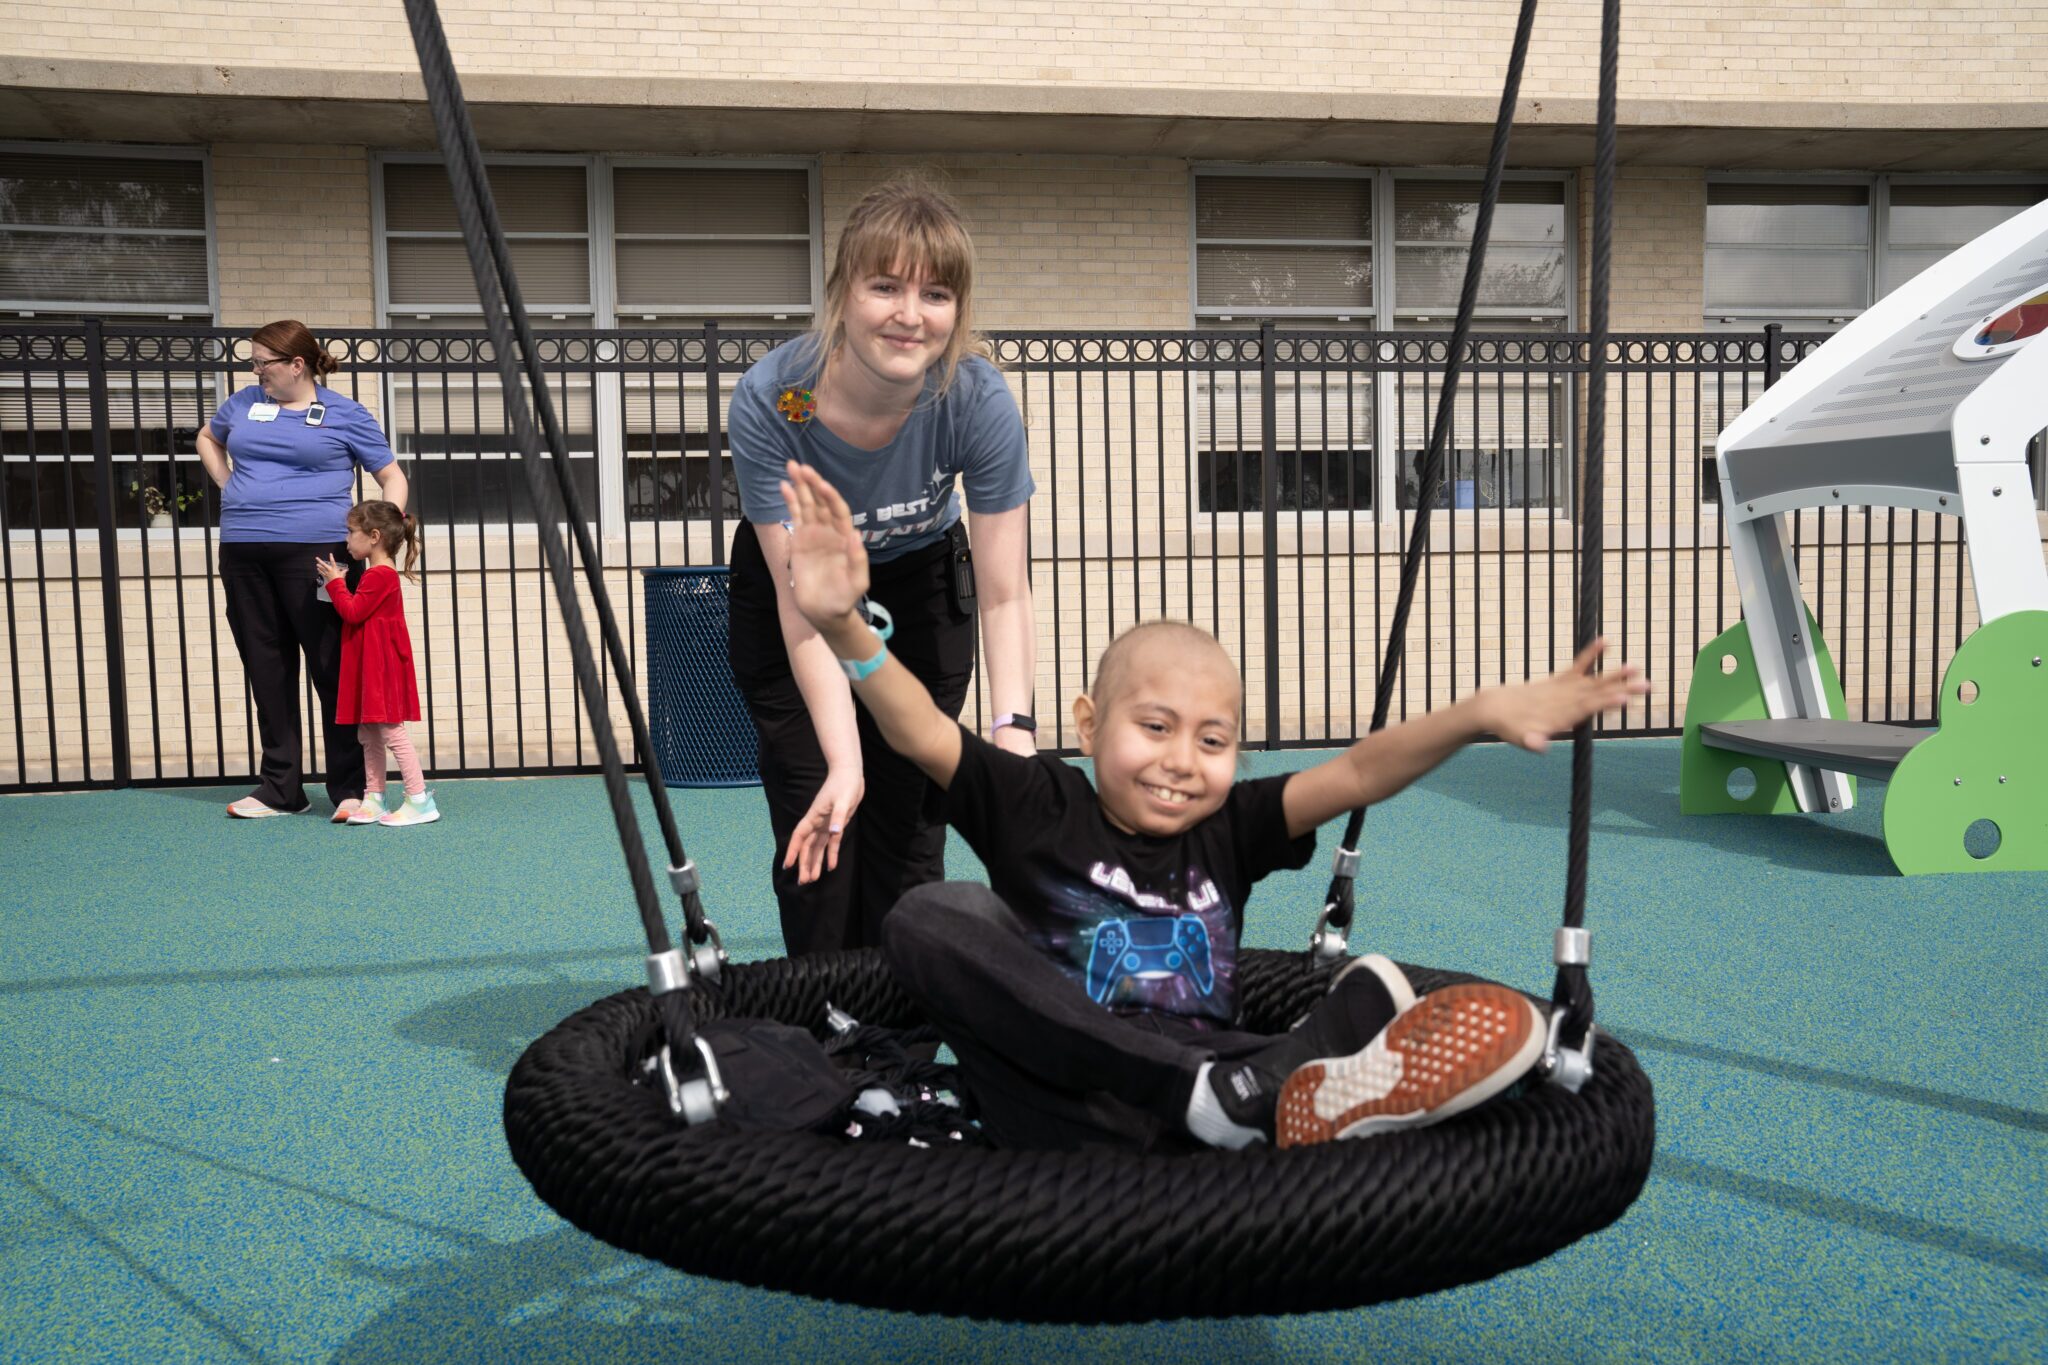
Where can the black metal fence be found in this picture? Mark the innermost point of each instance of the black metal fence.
(1259, 482)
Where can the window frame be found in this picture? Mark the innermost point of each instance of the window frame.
(1878, 207)
(608, 388)
(1382, 316)
(33, 311)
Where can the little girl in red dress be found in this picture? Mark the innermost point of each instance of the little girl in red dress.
(377, 688)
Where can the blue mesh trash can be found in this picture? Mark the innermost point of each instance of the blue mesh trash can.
(702, 734)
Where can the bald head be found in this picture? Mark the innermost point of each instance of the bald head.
(1174, 645)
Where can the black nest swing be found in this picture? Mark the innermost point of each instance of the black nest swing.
(1098, 1236)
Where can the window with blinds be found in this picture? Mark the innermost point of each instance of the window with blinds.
(712, 242)
(85, 234)
(545, 210)
(1926, 221)
(1526, 277)
(1787, 251)
(1283, 246)
(121, 237)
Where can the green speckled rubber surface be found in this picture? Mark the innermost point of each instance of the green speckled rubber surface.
(250, 1075)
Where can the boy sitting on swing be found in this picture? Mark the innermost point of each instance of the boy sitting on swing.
(1090, 991)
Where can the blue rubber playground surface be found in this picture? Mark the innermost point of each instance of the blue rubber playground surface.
(250, 1078)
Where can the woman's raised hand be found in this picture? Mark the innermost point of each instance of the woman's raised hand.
(828, 565)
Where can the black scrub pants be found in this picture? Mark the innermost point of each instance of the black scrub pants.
(1047, 1066)
(897, 836)
(273, 614)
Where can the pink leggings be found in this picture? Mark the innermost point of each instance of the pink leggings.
(376, 740)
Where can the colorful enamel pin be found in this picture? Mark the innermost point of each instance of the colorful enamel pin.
(798, 405)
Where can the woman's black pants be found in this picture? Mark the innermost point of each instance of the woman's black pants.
(897, 837)
(273, 614)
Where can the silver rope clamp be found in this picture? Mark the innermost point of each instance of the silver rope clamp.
(1328, 943)
(1560, 1065)
(684, 878)
(667, 972)
(697, 1100)
(707, 957)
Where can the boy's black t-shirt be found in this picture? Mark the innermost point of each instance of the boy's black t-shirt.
(1142, 923)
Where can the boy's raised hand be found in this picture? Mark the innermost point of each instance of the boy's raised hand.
(828, 565)
(1529, 714)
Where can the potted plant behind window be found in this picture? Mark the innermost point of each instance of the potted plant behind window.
(159, 506)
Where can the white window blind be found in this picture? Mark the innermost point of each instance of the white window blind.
(1927, 221)
(84, 234)
(1778, 249)
(1282, 243)
(545, 213)
(1526, 273)
(712, 241)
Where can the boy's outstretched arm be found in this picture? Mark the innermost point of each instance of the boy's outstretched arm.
(1525, 715)
(829, 574)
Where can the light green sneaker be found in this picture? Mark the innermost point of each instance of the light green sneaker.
(414, 810)
(369, 812)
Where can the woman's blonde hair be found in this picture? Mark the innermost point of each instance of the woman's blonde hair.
(905, 226)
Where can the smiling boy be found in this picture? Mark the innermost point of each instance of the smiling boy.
(1090, 991)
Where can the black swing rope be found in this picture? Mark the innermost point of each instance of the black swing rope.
(1025, 1234)
(490, 261)
(505, 315)
(1573, 994)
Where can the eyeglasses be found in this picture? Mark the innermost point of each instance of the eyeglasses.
(259, 365)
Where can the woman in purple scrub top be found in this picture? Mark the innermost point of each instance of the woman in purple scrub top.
(284, 452)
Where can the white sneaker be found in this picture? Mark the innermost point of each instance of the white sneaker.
(368, 811)
(414, 810)
(249, 808)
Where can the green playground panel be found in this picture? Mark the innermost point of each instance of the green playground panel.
(1703, 772)
(1988, 762)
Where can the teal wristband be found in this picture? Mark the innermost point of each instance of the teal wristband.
(856, 669)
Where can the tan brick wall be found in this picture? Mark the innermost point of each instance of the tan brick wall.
(1817, 52)
(292, 234)
(1659, 246)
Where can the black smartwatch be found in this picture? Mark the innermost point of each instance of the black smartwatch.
(1017, 719)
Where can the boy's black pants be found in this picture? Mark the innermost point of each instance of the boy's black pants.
(273, 615)
(897, 836)
(1048, 1067)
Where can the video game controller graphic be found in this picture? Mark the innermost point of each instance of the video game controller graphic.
(1149, 948)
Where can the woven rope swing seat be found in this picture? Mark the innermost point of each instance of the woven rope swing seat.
(660, 1166)
(1055, 1236)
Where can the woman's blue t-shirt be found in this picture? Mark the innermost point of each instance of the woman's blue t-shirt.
(904, 496)
(293, 482)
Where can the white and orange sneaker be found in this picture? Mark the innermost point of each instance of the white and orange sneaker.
(1455, 1048)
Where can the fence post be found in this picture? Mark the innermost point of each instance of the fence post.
(1774, 365)
(1269, 522)
(110, 553)
(713, 439)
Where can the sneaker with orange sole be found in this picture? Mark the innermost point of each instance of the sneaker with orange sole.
(1454, 1049)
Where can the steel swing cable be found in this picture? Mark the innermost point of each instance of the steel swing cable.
(465, 166)
(472, 204)
(1338, 903)
(1573, 991)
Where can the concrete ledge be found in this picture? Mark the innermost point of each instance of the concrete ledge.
(139, 101)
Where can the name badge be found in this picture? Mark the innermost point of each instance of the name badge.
(263, 412)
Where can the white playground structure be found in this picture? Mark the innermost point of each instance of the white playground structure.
(1928, 400)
